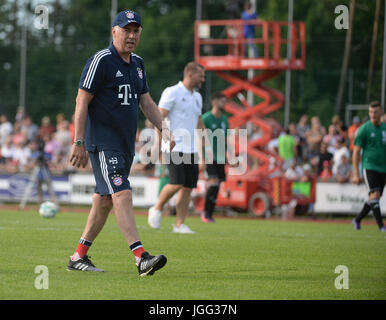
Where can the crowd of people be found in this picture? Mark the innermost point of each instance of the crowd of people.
(305, 147)
(18, 142)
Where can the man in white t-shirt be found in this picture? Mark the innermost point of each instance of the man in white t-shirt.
(341, 149)
(6, 128)
(182, 105)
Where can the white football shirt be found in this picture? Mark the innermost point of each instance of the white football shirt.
(185, 108)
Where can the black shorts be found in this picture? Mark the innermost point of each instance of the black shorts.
(111, 171)
(184, 171)
(216, 170)
(375, 181)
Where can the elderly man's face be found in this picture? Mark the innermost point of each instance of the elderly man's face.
(126, 39)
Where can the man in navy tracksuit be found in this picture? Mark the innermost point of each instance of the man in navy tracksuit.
(112, 86)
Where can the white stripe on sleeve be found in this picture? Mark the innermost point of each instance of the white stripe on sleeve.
(93, 66)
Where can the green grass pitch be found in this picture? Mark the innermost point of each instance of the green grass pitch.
(249, 259)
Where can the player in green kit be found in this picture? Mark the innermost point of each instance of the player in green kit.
(217, 124)
(371, 138)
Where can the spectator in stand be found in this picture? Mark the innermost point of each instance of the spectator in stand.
(63, 136)
(314, 137)
(60, 117)
(302, 127)
(307, 172)
(343, 133)
(299, 173)
(21, 155)
(273, 145)
(18, 135)
(7, 151)
(29, 128)
(341, 149)
(287, 148)
(59, 157)
(275, 126)
(337, 123)
(323, 155)
(343, 171)
(46, 128)
(20, 114)
(294, 132)
(53, 147)
(340, 128)
(294, 172)
(330, 138)
(356, 123)
(383, 118)
(6, 128)
(326, 174)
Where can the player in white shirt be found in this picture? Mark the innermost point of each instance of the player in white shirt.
(182, 105)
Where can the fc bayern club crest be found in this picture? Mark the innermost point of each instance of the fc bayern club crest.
(140, 73)
(117, 181)
(130, 15)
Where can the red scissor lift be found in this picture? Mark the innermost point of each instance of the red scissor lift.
(220, 47)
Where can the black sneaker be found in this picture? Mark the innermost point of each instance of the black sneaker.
(150, 264)
(83, 264)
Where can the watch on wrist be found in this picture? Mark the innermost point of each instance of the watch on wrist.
(79, 143)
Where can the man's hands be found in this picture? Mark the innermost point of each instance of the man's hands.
(355, 178)
(78, 156)
(355, 163)
(168, 136)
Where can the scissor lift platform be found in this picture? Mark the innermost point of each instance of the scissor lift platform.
(220, 46)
